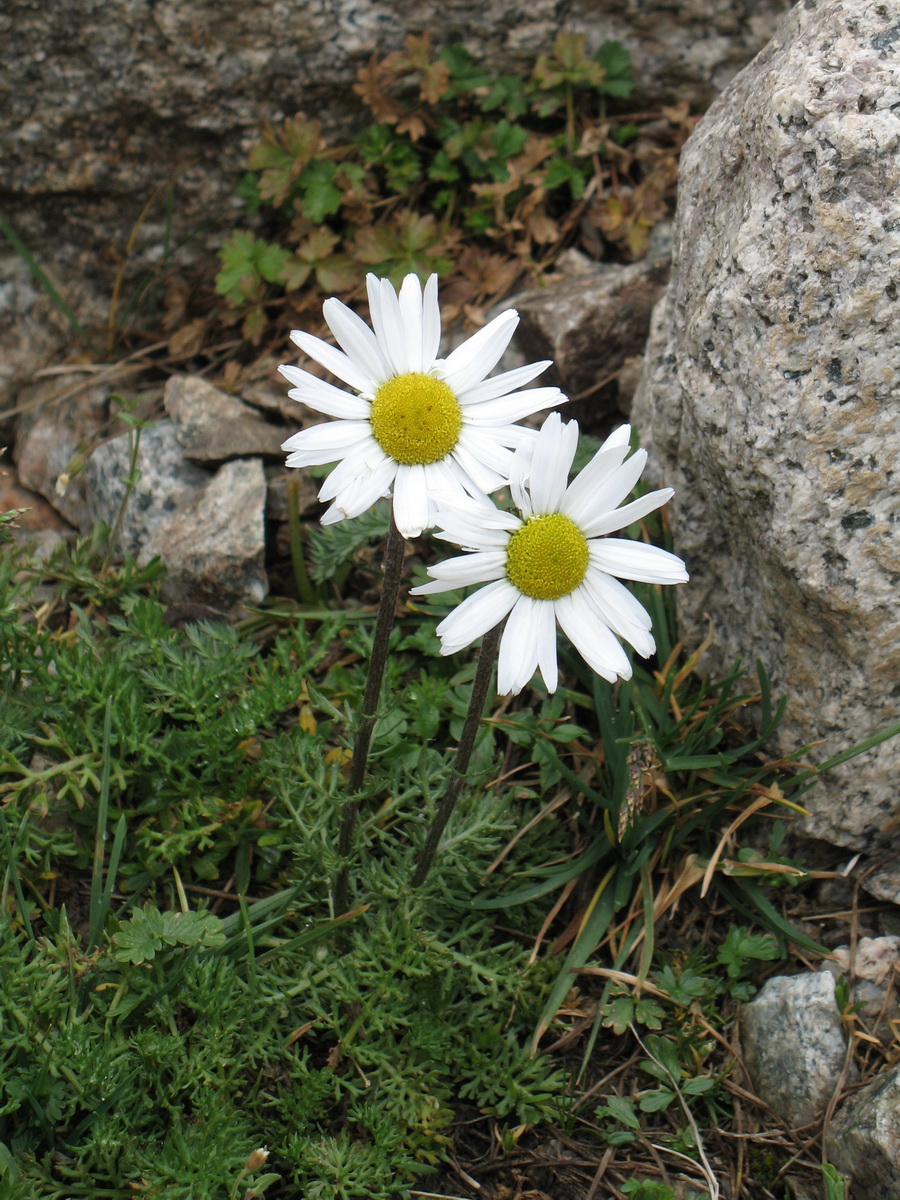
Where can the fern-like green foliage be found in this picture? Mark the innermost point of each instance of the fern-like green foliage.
(332, 547)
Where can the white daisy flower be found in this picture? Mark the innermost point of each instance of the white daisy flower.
(554, 563)
(427, 428)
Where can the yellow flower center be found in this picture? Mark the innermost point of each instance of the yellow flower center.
(415, 419)
(547, 558)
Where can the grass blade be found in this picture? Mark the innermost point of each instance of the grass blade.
(97, 917)
(14, 877)
(31, 263)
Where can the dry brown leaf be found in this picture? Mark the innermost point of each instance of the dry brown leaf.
(175, 302)
(542, 228)
(188, 340)
(370, 88)
(230, 374)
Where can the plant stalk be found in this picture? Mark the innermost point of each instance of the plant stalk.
(393, 568)
(305, 591)
(480, 687)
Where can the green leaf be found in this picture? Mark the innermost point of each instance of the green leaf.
(656, 1101)
(663, 1052)
(508, 140)
(618, 1014)
(835, 1184)
(620, 1137)
(259, 1185)
(683, 989)
(236, 257)
(320, 196)
(741, 947)
(621, 1110)
(374, 141)
(560, 171)
(568, 732)
(402, 167)
(649, 1013)
(700, 1085)
(148, 930)
(248, 190)
(270, 260)
(625, 134)
(465, 74)
(618, 79)
(507, 92)
(697, 762)
(246, 260)
(443, 168)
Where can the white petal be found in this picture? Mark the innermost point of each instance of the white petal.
(431, 323)
(618, 598)
(411, 313)
(476, 615)
(483, 567)
(361, 494)
(546, 643)
(614, 489)
(411, 507)
(595, 643)
(634, 560)
(467, 569)
(553, 453)
(613, 609)
(485, 463)
(327, 442)
(618, 437)
(518, 658)
(356, 339)
(333, 360)
(360, 461)
(505, 382)
(519, 474)
(621, 518)
(510, 408)
(393, 333)
(479, 354)
(489, 446)
(578, 501)
(324, 397)
(373, 291)
(443, 484)
(509, 436)
(486, 534)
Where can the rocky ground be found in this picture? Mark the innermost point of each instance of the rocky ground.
(756, 346)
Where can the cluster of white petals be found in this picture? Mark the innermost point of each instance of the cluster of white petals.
(439, 435)
(405, 341)
(594, 613)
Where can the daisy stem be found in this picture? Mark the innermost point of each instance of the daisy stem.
(480, 686)
(393, 567)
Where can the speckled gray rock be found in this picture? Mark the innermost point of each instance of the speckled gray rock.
(873, 968)
(208, 529)
(864, 1139)
(793, 1045)
(771, 391)
(62, 418)
(213, 427)
(884, 884)
(214, 547)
